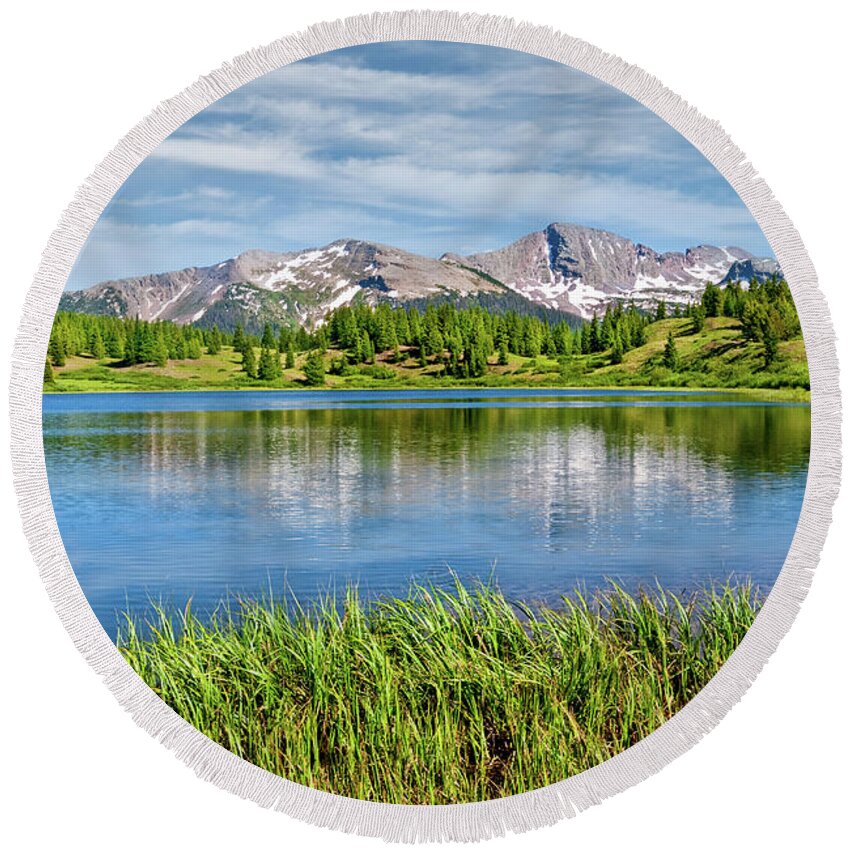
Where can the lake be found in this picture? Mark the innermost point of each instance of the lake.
(172, 496)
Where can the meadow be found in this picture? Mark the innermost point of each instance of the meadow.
(718, 356)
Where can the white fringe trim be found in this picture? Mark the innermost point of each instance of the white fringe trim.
(471, 821)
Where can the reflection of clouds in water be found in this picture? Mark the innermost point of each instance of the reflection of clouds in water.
(556, 479)
(563, 482)
(204, 503)
(578, 478)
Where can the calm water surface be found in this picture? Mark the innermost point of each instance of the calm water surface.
(171, 496)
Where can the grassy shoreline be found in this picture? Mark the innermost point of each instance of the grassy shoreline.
(442, 696)
(779, 394)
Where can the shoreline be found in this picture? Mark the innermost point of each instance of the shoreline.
(790, 394)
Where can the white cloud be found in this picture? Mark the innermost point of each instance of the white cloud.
(199, 194)
(277, 124)
(462, 160)
(118, 250)
(474, 183)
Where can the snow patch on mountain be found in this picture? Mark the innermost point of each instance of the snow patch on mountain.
(567, 267)
(606, 269)
(343, 297)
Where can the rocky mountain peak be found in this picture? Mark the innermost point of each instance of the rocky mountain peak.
(566, 267)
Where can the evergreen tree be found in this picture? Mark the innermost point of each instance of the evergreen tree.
(531, 337)
(158, 350)
(98, 349)
(563, 339)
(414, 322)
(385, 333)
(712, 300)
(402, 327)
(284, 339)
(249, 360)
(193, 349)
(148, 352)
(269, 365)
(314, 369)
(344, 331)
(214, 341)
(290, 355)
(268, 340)
(697, 319)
(595, 336)
(434, 342)
(302, 339)
(114, 341)
(56, 348)
(661, 311)
(503, 352)
(585, 338)
(131, 351)
(732, 303)
(753, 317)
(321, 340)
(49, 377)
(770, 338)
(616, 349)
(239, 339)
(671, 354)
(606, 330)
(789, 319)
(477, 359)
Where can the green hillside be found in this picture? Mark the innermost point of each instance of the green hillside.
(716, 356)
(732, 338)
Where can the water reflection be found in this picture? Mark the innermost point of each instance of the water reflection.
(173, 504)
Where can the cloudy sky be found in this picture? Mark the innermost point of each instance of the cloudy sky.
(428, 146)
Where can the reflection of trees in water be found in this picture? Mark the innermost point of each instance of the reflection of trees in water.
(750, 439)
(554, 467)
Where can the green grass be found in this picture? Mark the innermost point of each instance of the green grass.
(716, 358)
(442, 696)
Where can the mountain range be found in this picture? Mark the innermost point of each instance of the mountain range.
(565, 267)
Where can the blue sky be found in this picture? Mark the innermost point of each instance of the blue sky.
(428, 146)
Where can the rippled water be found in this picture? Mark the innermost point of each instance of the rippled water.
(169, 496)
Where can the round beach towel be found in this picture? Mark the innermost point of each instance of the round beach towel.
(426, 425)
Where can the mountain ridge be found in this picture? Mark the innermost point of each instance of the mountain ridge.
(564, 267)
(581, 269)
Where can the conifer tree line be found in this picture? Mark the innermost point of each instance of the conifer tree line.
(131, 341)
(267, 366)
(461, 340)
(765, 309)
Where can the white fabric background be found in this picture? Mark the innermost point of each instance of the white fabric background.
(77, 770)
